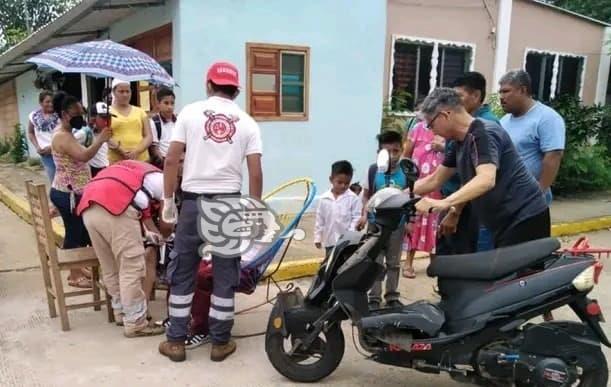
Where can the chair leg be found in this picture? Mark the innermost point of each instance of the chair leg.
(61, 298)
(95, 277)
(109, 311)
(46, 277)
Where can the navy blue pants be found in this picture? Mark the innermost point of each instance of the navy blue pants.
(182, 272)
(76, 233)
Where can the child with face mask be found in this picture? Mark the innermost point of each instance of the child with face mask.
(71, 174)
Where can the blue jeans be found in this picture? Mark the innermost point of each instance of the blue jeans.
(49, 166)
(485, 239)
(548, 196)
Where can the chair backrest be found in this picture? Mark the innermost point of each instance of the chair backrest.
(41, 221)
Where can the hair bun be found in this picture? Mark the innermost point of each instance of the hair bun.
(58, 100)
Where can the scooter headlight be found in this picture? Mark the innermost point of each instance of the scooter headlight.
(585, 280)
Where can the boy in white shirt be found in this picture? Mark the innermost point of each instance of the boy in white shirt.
(339, 208)
(162, 125)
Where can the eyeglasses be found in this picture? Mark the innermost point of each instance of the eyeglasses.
(430, 124)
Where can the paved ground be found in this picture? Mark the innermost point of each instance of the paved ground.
(35, 352)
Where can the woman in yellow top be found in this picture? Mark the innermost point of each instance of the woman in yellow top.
(131, 132)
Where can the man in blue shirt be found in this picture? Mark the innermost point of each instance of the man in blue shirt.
(537, 131)
(460, 232)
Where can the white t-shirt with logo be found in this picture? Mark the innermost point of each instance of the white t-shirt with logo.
(218, 136)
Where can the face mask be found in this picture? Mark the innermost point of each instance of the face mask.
(77, 122)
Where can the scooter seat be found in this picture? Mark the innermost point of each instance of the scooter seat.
(421, 315)
(493, 264)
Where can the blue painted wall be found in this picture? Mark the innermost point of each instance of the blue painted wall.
(346, 39)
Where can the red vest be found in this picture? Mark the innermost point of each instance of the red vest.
(115, 187)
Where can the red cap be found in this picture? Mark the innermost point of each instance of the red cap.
(223, 73)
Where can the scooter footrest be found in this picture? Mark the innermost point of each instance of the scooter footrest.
(422, 316)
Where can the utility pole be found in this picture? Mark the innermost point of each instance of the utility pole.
(28, 20)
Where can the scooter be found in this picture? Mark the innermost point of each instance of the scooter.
(479, 332)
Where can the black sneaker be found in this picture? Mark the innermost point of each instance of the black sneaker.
(196, 340)
(373, 305)
(394, 304)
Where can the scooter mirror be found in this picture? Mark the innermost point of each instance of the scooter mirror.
(383, 161)
(411, 172)
(410, 169)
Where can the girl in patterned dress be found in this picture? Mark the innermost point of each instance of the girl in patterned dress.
(426, 150)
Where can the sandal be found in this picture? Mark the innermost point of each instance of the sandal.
(409, 272)
(86, 272)
(82, 283)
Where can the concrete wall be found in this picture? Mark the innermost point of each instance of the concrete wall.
(604, 68)
(465, 21)
(9, 111)
(27, 100)
(539, 27)
(144, 20)
(346, 40)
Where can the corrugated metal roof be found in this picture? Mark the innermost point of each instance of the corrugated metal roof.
(88, 20)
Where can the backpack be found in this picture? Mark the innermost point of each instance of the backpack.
(157, 121)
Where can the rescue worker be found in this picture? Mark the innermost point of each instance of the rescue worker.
(218, 136)
(114, 205)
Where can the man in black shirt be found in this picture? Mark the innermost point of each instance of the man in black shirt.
(503, 194)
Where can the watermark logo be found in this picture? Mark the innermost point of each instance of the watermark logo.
(233, 225)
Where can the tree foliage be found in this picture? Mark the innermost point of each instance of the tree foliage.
(597, 9)
(19, 18)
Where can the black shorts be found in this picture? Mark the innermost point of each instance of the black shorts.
(536, 227)
(464, 241)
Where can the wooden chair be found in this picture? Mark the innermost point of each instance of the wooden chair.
(54, 260)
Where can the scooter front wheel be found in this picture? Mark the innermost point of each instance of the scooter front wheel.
(306, 366)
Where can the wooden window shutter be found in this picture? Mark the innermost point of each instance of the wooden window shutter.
(264, 78)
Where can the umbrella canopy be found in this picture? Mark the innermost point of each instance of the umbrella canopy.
(104, 59)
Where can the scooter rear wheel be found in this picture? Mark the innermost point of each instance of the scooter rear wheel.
(321, 359)
(597, 377)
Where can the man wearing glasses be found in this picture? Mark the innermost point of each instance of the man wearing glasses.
(503, 194)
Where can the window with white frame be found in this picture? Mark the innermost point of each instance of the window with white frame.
(554, 74)
(419, 65)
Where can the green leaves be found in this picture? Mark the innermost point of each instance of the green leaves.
(19, 18)
(19, 145)
(586, 165)
(597, 9)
